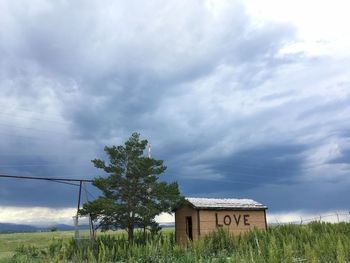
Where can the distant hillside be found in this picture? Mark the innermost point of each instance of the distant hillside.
(7, 227)
(167, 225)
(18, 228)
(15, 228)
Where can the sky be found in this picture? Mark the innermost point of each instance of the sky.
(241, 99)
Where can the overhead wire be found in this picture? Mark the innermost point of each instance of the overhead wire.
(87, 192)
(221, 165)
(67, 181)
(41, 165)
(233, 165)
(62, 182)
(28, 110)
(31, 128)
(44, 178)
(31, 118)
(232, 174)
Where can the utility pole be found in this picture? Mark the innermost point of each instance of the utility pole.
(69, 181)
(79, 196)
(76, 221)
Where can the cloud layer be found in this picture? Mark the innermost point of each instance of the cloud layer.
(236, 106)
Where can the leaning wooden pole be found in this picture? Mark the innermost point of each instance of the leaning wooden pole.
(79, 196)
(76, 222)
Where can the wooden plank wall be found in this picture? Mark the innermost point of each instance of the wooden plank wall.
(236, 222)
(206, 221)
(180, 224)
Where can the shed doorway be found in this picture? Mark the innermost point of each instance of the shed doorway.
(189, 227)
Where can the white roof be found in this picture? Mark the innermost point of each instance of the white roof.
(226, 203)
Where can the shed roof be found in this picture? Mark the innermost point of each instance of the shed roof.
(226, 203)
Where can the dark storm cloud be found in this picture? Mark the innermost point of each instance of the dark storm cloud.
(265, 165)
(229, 113)
(251, 165)
(343, 159)
(312, 197)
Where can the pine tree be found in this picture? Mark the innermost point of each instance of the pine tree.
(132, 195)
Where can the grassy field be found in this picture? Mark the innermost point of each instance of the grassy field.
(9, 242)
(312, 243)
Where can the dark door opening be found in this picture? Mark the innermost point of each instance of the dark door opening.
(189, 227)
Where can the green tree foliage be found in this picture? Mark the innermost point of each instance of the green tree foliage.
(132, 195)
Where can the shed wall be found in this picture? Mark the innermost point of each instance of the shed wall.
(235, 222)
(180, 224)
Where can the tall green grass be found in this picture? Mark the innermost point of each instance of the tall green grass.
(315, 242)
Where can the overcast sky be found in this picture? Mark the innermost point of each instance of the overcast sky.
(242, 99)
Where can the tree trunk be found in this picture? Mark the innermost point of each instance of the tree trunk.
(130, 233)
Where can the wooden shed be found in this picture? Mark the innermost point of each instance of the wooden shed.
(200, 216)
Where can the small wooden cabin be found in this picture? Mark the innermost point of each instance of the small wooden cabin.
(200, 216)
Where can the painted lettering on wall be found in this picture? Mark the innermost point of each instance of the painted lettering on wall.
(236, 219)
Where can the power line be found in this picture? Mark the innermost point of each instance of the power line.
(34, 129)
(214, 166)
(317, 218)
(56, 180)
(16, 109)
(41, 165)
(45, 178)
(33, 118)
(37, 137)
(63, 182)
(86, 191)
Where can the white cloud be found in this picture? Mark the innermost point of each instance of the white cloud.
(45, 216)
(305, 217)
(36, 215)
(321, 25)
(165, 218)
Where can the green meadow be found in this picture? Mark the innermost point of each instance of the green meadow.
(315, 242)
(10, 242)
